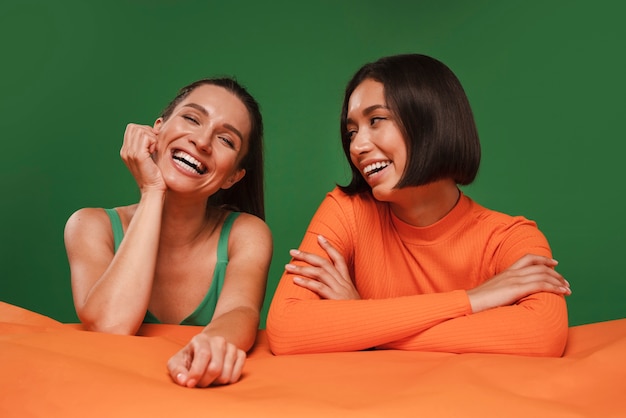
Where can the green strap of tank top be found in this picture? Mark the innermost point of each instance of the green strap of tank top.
(222, 246)
(116, 225)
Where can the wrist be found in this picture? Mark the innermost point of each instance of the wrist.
(152, 197)
(152, 193)
(474, 301)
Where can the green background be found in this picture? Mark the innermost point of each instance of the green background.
(545, 80)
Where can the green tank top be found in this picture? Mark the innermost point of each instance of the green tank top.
(203, 314)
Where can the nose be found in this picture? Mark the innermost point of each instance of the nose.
(202, 140)
(360, 142)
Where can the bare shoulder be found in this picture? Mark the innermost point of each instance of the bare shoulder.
(84, 220)
(89, 224)
(249, 230)
(246, 221)
(88, 216)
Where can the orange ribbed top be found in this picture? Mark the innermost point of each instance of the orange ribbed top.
(413, 282)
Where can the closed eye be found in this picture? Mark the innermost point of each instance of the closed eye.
(191, 119)
(229, 142)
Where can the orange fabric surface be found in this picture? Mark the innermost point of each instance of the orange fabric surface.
(57, 370)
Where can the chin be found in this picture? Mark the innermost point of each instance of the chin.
(382, 195)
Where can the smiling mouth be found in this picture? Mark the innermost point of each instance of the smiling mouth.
(187, 162)
(374, 168)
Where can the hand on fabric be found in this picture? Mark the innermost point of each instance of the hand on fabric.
(329, 279)
(530, 274)
(207, 360)
(140, 143)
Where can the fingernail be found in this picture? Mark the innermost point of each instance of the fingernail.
(289, 267)
(294, 252)
(321, 238)
(181, 378)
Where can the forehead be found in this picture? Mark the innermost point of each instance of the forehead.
(369, 93)
(221, 105)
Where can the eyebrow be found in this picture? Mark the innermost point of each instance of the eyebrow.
(369, 110)
(206, 113)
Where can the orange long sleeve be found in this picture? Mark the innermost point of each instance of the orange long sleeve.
(413, 281)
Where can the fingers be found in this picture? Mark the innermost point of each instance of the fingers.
(329, 279)
(533, 259)
(540, 270)
(178, 366)
(138, 151)
(323, 290)
(232, 366)
(311, 259)
(336, 257)
(139, 140)
(542, 274)
(317, 268)
(207, 361)
(319, 276)
(315, 279)
(529, 275)
(319, 272)
(336, 268)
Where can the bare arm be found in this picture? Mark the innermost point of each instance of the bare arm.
(217, 355)
(111, 289)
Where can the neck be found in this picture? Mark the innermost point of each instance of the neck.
(425, 205)
(184, 221)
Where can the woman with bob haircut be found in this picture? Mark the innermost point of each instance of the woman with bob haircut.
(401, 258)
(195, 249)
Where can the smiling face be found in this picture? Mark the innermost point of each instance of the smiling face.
(202, 142)
(377, 147)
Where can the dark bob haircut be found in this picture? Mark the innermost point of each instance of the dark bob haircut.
(247, 194)
(433, 114)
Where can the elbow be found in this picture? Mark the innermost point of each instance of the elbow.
(108, 327)
(555, 340)
(552, 335)
(552, 345)
(279, 331)
(273, 331)
(547, 327)
(278, 347)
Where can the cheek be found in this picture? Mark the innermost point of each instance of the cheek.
(229, 161)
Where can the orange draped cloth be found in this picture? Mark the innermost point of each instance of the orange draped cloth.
(58, 370)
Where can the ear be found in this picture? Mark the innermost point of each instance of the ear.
(157, 125)
(238, 175)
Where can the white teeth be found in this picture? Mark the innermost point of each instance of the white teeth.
(189, 162)
(184, 156)
(377, 166)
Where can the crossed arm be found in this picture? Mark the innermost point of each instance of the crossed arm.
(317, 307)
